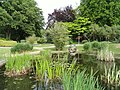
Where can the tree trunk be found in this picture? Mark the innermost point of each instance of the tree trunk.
(8, 34)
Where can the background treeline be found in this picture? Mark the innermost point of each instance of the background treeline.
(91, 20)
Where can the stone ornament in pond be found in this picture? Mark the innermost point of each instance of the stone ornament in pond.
(72, 50)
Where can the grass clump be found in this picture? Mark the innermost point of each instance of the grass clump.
(53, 69)
(18, 65)
(80, 81)
(111, 76)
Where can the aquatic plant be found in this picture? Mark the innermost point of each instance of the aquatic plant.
(80, 81)
(53, 69)
(111, 76)
(18, 64)
(105, 55)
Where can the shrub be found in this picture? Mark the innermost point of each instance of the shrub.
(41, 40)
(95, 45)
(31, 39)
(87, 46)
(60, 35)
(5, 43)
(21, 47)
(103, 45)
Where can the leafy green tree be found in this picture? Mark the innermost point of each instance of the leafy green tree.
(5, 20)
(101, 12)
(78, 27)
(59, 34)
(26, 18)
(104, 33)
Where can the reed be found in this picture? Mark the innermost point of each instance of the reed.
(111, 76)
(80, 81)
(18, 65)
(53, 69)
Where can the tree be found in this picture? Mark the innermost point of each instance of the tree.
(78, 27)
(5, 20)
(101, 12)
(66, 14)
(59, 34)
(26, 18)
(104, 33)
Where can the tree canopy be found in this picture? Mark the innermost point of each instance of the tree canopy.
(66, 14)
(20, 18)
(102, 12)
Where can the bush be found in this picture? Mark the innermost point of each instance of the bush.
(5, 43)
(60, 35)
(21, 47)
(95, 45)
(87, 46)
(31, 39)
(42, 40)
(103, 45)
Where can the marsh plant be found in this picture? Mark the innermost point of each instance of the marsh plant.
(80, 81)
(111, 76)
(18, 65)
(53, 69)
(104, 53)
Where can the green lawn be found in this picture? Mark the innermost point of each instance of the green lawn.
(3, 52)
(43, 45)
(115, 48)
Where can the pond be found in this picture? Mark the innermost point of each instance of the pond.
(28, 82)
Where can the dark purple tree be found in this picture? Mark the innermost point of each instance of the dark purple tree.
(66, 14)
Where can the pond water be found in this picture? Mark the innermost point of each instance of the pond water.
(28, 82)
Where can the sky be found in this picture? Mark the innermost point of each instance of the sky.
(48, 6)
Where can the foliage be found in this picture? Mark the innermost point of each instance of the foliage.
(103, 45)
(47, 68)
(95, 45)
(59, 35)
(43, 38)
(21, 47)
(65, 14)
(104, 33)
(78, 27)
(18, 65)
(31, 39)
(20, 18)
(111, 76)
(105, 12)
(87, 46)
(5, 43)
(80, 81)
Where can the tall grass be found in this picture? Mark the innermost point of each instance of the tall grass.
(111, 76)
(80, 81)
(18, 65)
(54, 69)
